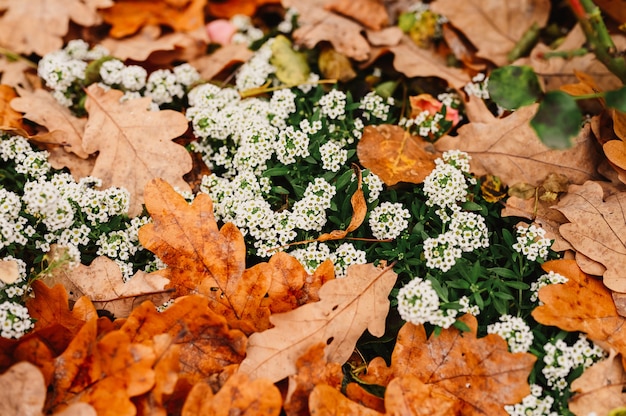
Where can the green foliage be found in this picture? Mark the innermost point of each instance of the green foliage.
(513, 87)
(557, 120)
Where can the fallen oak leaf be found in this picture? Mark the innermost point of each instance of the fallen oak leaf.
(10, 120)
(583, 304)
(370, 13)
(480, 372)
(138, 151)
(22, 390)
(395, 155)
(599, 388)
(328, 401)
(346, 308)
(596, 229)
(9, 271)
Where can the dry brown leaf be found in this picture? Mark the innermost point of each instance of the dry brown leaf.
(10, 120)
(408, 395)
(395, 155)
(346, 308)
(510, 149)
(102, 282)
(597, 228)
(9, 271)
(414, 61)
(599, 389)
(317, 24)
(494, 26)
(22, 391)
(38, 26)
(207, 346)
(225, 57)
(128, 16)
(370, 13)
(239, 396)
(131, 153)
(480, 372)
(358, 394)
(150, 45)
(229, 8)
(328, 401)
(19, 73)
(583, 304)
(64, 129)
(313, 369)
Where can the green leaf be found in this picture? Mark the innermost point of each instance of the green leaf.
(513, 86)
(277, 171)
(291, 66)
(558, 120)
(616, 99)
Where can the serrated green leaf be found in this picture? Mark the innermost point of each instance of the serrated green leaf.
(616, 99)
(513, 86)
(557, 120)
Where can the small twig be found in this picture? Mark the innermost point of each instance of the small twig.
(525, 44)
(17, 57)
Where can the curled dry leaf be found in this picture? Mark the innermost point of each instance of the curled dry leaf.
(480, 373)
(597, 229)
(239, 396)
(583, 304)
(102, 282)
(510, 149)
(599, 389)
(395, 155)
(38, 26)
(328, 401)
(346, 308)
(22, 390)
(492, 26)
(138, 152)
(127, 17)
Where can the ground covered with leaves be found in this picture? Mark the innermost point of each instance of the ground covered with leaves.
(319, 207)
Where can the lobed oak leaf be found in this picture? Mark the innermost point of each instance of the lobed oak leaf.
(597, 228)
(408, 395)
(480, 372)
(10, 120)
(128, 16)
(102, 282)
(510, 149)
(131, 153)
(395, 155)
(599, 389)
(312, 369)
(64, 129)
(583, 304)
(209, 66)
(358, 394)
(207, 345)
(370, 13)
(492, 26)
(328, 401)
(238, 395)
(38, 26)
(19, 73)
(346, 308)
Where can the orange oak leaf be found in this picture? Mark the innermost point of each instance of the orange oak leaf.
(328, 401)
(229, 8)
(492, 26)
(313, 369)
(510, 149)
(238, 395)
(225, 57)
(202, 259)
(131, 153)
(10, 120)
(597, 229)
(480, 372)
(104, 373)
(38, 26)
(358, 394)
(207, 345)
(127, 16)
(102, 282)
(346, 308)
(395, 155)
(370, 13)
(599, 389)
(64, 128)
(583, 304)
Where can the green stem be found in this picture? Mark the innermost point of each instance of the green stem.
(590, 19)
(525, 44)
(16, 57)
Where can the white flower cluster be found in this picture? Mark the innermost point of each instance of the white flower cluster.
(418, 303)
(286, 26)
(561, 359)
(255, 72)
(16, 290)
(532, 242)
(373, 185)
(376, 107)
(247, 33)
(388, 220)
(334, 156)
(333, 104)
(478, 86)
(515, 331)
(343, 257)
(447, 184)
(122, 245)
(533, 404)
(550, 278)
(15, 320)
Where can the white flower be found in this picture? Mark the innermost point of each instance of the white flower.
(418, 303)
(531, 242)
(333, 104)
(334, 156)
(388, 220)
(515, 331)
